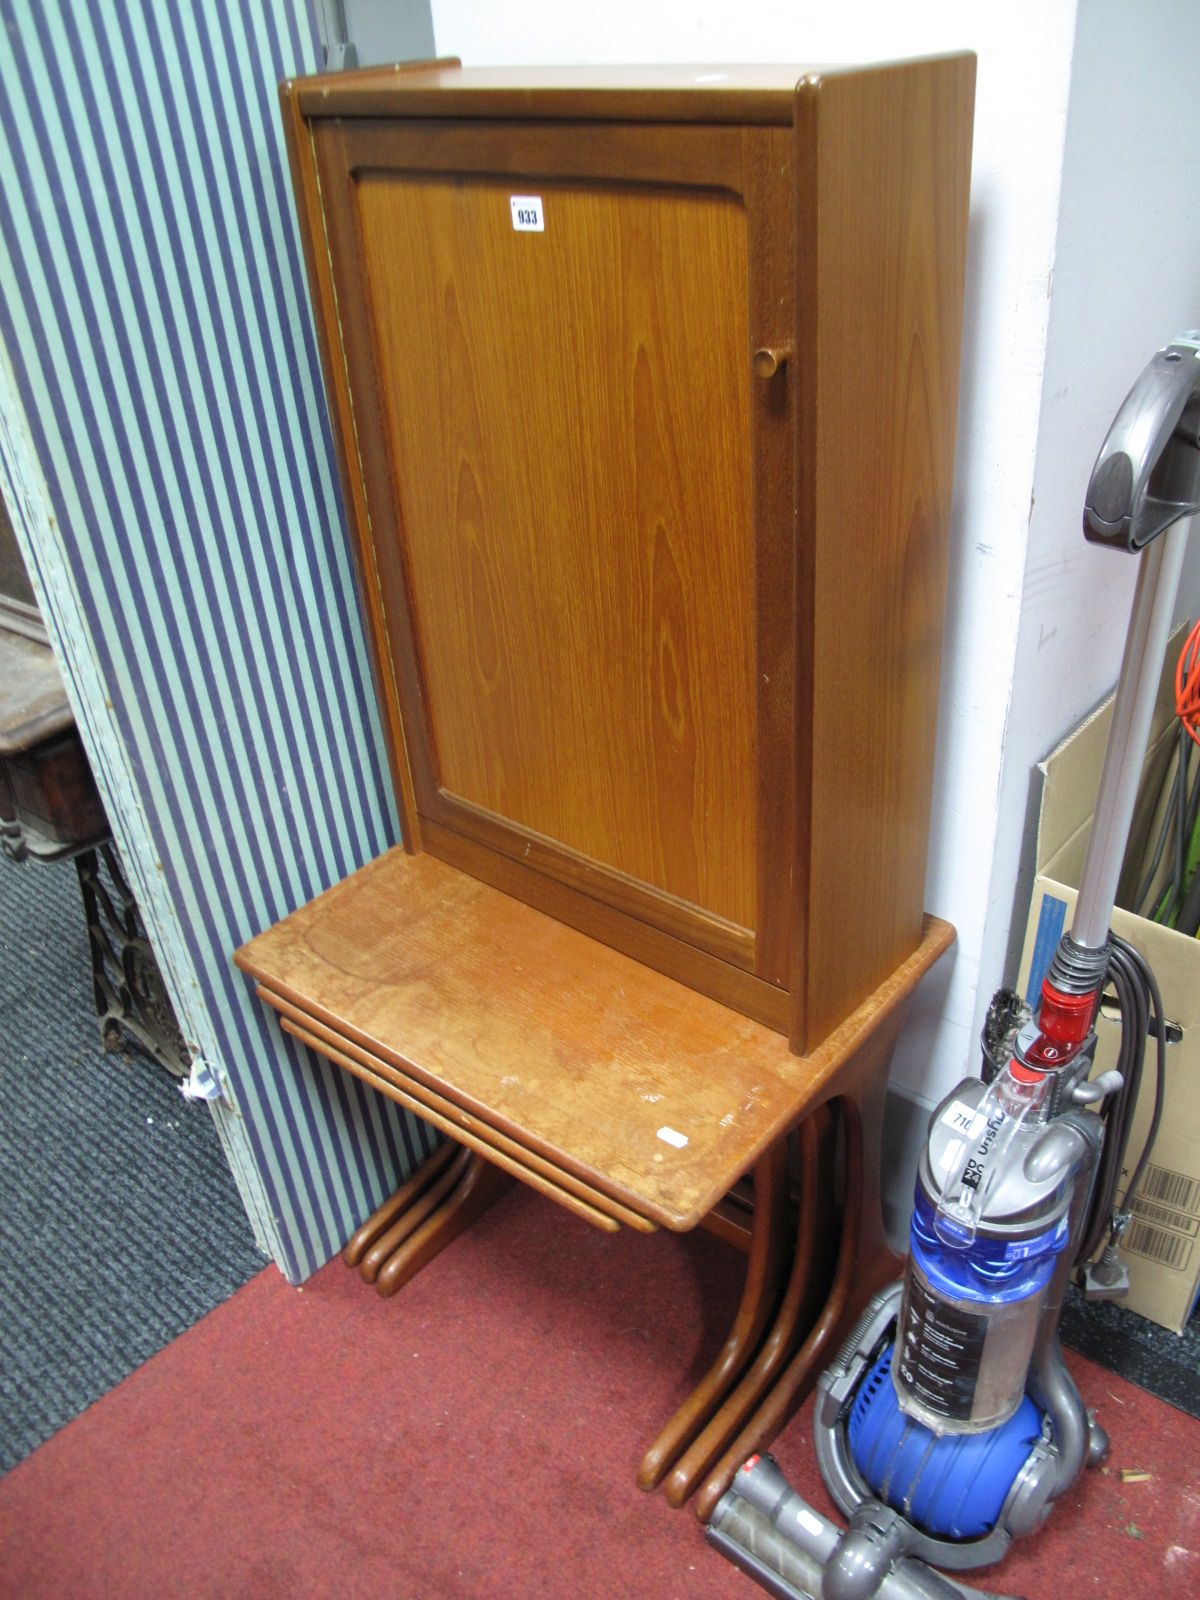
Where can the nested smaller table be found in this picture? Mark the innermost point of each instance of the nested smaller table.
(613, 1090)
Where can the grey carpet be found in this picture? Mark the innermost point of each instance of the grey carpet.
(119, 1222)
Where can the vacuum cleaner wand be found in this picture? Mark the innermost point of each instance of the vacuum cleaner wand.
(1146, 483)
(948, 1423)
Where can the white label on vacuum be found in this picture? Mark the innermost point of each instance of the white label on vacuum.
(809, 1521)
(527, 213)
(673, 1136)
(964, 1119)
(954, 1148)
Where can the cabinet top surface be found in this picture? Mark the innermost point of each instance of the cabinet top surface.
(697, 93)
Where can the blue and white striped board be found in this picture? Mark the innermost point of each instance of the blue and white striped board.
(166, 452)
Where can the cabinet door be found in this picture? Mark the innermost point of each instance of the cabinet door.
(579, 501)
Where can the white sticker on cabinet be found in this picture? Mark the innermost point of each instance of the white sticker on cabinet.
(527, 214)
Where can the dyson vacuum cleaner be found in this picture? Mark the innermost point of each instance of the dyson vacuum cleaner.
(949, 1425)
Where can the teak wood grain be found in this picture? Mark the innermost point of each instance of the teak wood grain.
(377, 1225)
(569, 1048)
(583, 596)
(479, 1187)
(766, 1267)
(348, 163)
(751, 94)
(816, 1216)
(450, 1118)
(357, 1062)
(883, 168)
(651, 507)
(615, 925)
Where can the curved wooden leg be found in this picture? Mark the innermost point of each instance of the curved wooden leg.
(806, 1287)
(480, 1186)
(414, 1215)
(865, 1264)
(765, 1270)
(382, 1218)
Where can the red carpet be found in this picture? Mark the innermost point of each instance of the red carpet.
(478, 1436)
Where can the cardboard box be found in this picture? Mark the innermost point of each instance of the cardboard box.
(1161, 1247)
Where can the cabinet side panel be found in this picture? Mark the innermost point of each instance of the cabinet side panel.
(310, 212)
(567, 409)
(881, 253)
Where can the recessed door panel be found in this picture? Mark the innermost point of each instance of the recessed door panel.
(568, 411)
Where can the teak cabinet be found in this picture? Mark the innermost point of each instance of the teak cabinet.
(644, 384)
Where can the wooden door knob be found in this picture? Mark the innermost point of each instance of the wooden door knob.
(767, 361)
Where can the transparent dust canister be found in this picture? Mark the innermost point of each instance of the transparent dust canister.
(981, 1257)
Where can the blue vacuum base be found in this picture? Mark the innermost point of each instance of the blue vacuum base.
(952, 1485)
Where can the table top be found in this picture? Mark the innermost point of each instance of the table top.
(659, 1096)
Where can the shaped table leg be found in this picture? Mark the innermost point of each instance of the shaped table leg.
(396, 1204)
(479, 1187)
(765, 1270)
(414, 1215)
(865, 1261)
(802, 1298)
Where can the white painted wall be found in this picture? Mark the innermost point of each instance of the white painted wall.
(380, 30)
(1024, 50)
(1126, 278)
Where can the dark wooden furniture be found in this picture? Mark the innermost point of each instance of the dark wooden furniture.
(644, 385)
(50, 808)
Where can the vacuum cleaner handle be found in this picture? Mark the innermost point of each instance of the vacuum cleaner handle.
(1145, 481)
(1147, 475)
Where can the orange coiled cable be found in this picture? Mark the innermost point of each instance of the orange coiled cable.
(1187, 684)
